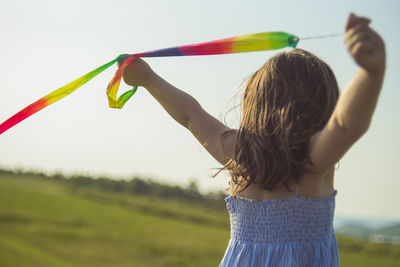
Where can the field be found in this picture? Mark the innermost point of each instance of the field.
(44, 222)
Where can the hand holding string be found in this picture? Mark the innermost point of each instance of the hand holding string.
(365, 45)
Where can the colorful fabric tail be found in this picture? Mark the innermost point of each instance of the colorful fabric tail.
(244, 43)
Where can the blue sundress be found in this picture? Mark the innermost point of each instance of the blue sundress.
(293, 231)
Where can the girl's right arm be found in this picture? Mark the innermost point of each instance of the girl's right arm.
(184, 109)
(353, 112)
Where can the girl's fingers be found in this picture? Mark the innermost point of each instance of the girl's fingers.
(359, 46)
(367, 37)
(357, 29)
(360, 33)
(364, 37)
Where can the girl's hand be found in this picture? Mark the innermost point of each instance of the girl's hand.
(365, 45)
(138, 73)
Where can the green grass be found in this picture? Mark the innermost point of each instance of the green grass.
(354, 252)
(45, 223)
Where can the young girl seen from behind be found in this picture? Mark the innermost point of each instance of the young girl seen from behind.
(294, 128)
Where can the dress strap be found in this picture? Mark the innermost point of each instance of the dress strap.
(297, 189)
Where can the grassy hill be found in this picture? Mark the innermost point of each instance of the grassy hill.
(48, 222)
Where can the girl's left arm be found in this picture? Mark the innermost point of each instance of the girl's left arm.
(185, 109)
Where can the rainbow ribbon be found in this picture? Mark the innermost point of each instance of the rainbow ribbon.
(238, 44)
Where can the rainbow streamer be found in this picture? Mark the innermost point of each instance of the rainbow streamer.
(238, 44)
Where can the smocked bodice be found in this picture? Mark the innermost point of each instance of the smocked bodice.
(294, 231)
(291, 219)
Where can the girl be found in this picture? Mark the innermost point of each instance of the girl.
(294, 128)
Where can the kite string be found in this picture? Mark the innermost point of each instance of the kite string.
(322, 36)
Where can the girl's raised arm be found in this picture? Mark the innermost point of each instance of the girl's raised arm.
(355, 107)
(184, 109)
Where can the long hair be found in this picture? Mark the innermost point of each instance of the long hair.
(284, 103)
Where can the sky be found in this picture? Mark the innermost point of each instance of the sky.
(46, 44)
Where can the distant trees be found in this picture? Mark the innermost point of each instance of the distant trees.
(136, 185)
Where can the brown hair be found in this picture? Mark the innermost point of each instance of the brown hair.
(284, 103)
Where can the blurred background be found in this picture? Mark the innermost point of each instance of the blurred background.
(63, 221)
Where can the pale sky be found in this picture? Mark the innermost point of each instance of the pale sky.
(46, 44)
